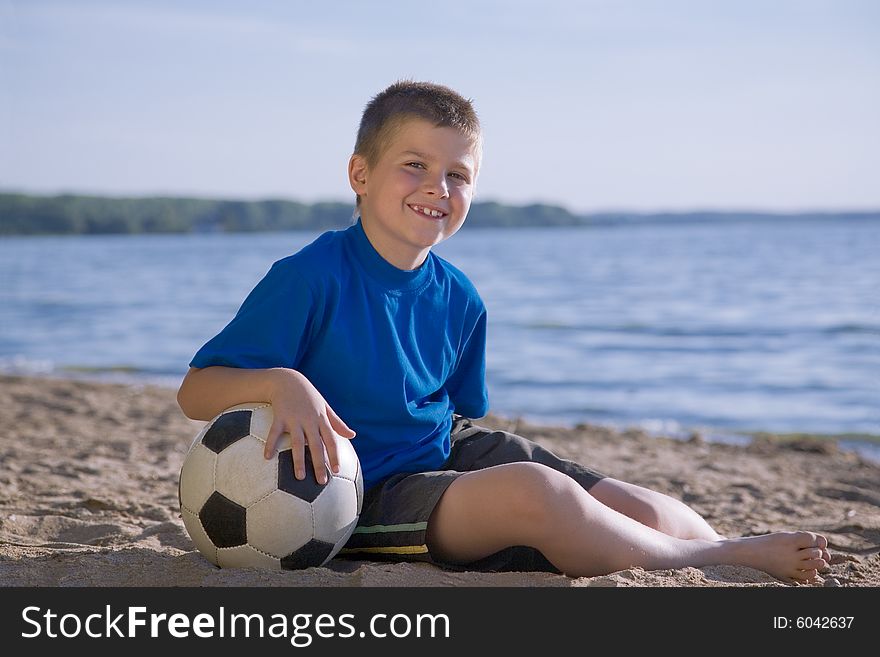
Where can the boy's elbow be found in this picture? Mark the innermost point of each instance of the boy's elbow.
(183, 402)
(185, 397)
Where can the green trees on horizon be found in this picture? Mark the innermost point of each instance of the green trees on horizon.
(25, 214)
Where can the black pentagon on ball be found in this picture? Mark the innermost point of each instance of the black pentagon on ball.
(313, 553)
(306, 489)
(226, 429)
(224, 521)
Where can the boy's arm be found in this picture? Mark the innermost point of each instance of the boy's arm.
(205, 392)
(298, 409)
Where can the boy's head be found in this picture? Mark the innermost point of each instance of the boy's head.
(406, 100)
(414, 168)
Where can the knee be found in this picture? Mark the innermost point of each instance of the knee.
(649, 509)
(649, 513)
(534, 490)
(645, 506)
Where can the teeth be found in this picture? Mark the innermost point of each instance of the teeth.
(426, 211)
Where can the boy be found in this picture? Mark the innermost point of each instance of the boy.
(366, 330)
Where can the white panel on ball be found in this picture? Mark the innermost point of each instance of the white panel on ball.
(280, 524)
(349, 466)
(261, 420)
(244, 556)
(335, 510)
(243, 474)
(197, 477)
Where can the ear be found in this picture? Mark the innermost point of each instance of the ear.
(357, 174)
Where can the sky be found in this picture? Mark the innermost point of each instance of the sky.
(597, 105)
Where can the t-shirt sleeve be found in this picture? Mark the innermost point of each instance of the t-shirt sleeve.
(467, 384)
(271, 329)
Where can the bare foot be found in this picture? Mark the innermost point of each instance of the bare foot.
(788, 556)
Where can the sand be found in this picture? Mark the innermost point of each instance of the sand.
(88, 497)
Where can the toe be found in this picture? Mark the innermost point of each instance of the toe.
(812, 553)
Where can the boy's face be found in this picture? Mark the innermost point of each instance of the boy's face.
(423, 169)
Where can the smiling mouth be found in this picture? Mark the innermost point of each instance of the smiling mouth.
(428, 212)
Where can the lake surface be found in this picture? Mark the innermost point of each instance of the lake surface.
(723, 328)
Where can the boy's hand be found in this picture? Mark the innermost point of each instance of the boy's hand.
(301, 411)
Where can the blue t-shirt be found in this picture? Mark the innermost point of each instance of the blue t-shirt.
(393, 352)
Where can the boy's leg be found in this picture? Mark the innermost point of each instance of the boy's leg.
(487, 510)
(657, 510)
(477, 447)
(654, 509)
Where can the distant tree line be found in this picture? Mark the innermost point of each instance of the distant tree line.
(91, 215)
(24, 214)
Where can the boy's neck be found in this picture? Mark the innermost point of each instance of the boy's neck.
(392, 252)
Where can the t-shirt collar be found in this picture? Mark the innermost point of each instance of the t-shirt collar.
(379, 268)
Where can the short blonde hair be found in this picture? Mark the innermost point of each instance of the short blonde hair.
(406, 100)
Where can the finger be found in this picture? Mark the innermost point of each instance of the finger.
(812, 564)
(338, 425)
(316, 449)
(812, 553)
(328, 436)
(275, 432)
(297, 453)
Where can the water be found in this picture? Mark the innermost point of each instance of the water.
(722, 328)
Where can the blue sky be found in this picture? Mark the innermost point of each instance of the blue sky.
(595, 105)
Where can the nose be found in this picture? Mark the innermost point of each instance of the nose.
(436, 184)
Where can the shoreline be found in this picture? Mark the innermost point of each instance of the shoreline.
(88, 497)
(865, 445)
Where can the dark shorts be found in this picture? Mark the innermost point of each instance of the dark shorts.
(395, 513)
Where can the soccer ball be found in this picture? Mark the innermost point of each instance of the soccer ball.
(243, 510)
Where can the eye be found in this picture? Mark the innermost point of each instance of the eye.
(461, 177)
(417, 165)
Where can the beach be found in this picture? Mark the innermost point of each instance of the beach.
(88, 497)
